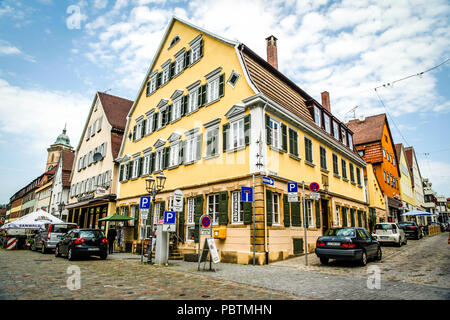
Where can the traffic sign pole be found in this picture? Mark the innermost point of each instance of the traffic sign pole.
(305, 223)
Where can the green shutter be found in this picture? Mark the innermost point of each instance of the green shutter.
(152, 162)
(187, 58)
(169, 114)
(184, 101)
(296, 214)
(298, 245)
(222, 85)
(365, 219)
(166, 157)
(121, 173)
(129, 171)
(247, 120)
(360, 222)
(223, 208)
(225, 128)
(269, 208)
(317, 214)
(344, 216)
(203, 93)
(134, 133)
(284, 137)
(136, 222)
(162, 208)
(144, 124)
(287, 216)
(141, 166)
(201, 48)
(198, 212)
(352, 217)
(158, 79)
(268, 131)
(181, 223)
(155, 121)
(172, 69)
(248, 212)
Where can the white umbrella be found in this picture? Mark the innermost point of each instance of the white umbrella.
(419, 213)
(33, 220)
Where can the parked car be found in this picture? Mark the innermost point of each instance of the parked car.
(46, 240)
(355, 244)
(411, 229)
(82, 242)
(389, 232)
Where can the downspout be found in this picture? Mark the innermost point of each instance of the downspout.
(266, 249)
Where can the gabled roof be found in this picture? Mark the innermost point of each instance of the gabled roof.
(410, 153)
(369, 130)
(398, 150)
(116, 109)
(67, 158)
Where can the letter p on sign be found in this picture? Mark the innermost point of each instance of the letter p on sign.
(144, 203)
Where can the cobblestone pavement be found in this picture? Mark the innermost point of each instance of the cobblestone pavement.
(419, 270)
(30, 275)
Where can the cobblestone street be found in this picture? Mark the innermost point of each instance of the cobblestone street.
(419, 270)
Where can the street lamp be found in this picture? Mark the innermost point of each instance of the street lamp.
(61, 207)
(153, 188)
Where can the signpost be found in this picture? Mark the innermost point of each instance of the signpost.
(292, 191)
(206, 229)
(144, 207)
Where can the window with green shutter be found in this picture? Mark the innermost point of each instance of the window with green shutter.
(352, 217)
(360, 219)
(323, 158)
(198, 212)
(344, 169)
(293, 142)
(269, 207)
(335, 165)
(286, 212)
(284, 146)
(352, 173)
(298, 245)
(268, 131)
(296, 214)
(308, 150)
(317, 203)
(248, 212)
(247, 124)
(344, 217)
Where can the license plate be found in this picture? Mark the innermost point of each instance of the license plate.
(384, 237)
(93, 249)
(333, 244)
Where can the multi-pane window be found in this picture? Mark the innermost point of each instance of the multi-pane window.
(293, 142)
(237, 138)
(327, 123)
(193, 100)
(212, 141)
(308, 150)
(190, 223)
(176, 110)
(165, 75)
(196, 52)
(275, 133)
(152, 86)
(358, 176)
(323, 158)
(190, 148)
(350, 141)
(338, 216)
(139, 130)
(157, 213)
(213, 89)
(352, 172)
(309, 212)
(344, 169)
(213, 207)
(174, 154)
(135, 169)
(179, 64)
(159, 159)
(335, 164)
(336, 130)
(275, 208)
(317, 118)
(149, 124)
(344, 136)
(237, 214)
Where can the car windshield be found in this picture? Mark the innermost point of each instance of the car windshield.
(91, 234)
(63, 228)
(384, 227)
(340, 232)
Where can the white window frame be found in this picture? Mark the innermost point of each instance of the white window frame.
(190, 222)
(165, 75)
(146, 169)
(134, 170)
(275, 213)
(156, 212)
(138, 130)
(179, 64)
(317, 117)
(176, 110)
(195, 52)
(237, 208)
(191, 148)
(336, 130)
(344, 136)
(350, 141)
(149, 124)
(153, 83)
(275, 133)
(236, 134)
(174, 154)
(214, 212)
(309, 213)
(327, 123)
(193, 100)
(159, 157)
(212, 89)
(212, 131)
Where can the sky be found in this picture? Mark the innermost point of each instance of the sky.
(56, 54)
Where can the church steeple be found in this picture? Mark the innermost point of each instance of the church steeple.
(54, 152)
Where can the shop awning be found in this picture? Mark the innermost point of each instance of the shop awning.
(107, 198)
(419, 213)
(117, 217)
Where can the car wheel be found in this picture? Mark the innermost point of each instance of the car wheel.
(363, 260)
(103, 256)
(406, 241)
(379, 254)
(43, 249)
(57, 253)
(33, 247)
(324, 260)
(399, 243)
(70, 255)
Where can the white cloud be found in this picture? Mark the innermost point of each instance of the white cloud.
(33, 121)
(9, 50)
(100, 4)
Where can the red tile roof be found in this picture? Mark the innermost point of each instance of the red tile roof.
(368, 130)
(116, 109)
(67, 163)
(398, 150)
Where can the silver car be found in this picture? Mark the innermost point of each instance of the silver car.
(46, 240)
(389, 232)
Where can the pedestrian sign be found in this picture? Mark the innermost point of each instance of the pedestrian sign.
(246, 194)
(292, 187)
(144, 203)
(169, 216)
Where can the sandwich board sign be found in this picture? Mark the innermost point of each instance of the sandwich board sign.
(213, 250)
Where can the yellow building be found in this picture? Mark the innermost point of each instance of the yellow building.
(210, 114)
(406, 189)
(377, 202)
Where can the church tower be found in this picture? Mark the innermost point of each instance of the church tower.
(54, 152)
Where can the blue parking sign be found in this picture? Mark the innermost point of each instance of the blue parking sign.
(246, 194)
(169, 216)
(292, 187)
(144, 203)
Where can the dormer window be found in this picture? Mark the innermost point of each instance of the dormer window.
(336, 130)
(327, 123)
(344, 136)
(317, 118)
(350, 141)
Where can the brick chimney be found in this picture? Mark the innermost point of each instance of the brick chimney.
(326, 100)
(272, 56)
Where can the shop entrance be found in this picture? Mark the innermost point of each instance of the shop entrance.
(325, 219)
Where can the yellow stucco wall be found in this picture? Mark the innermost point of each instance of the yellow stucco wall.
(406, 190)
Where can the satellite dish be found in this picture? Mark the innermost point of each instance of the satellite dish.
(97, 156)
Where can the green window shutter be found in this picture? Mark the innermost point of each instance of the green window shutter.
(198, 212)
(222, 85)
(296, 214)
(181, 153)
(141, 166)
(181, 223)
(201, 48)
(136, 223)
(129, 171)
(268, 131)
(352, 217)
(247, 124)
(269, 208)
(162, 208)
(317, 214)
(121, 173)
(184, 100)
(225, 129)
(248, 212)
(134, 133)
(223, 208)
(144, 124)
(155, 121)
(284, 138)
(169, 113)
(344, 216)
(172, 69)
(365, 219)
(158, 79)
(147, 89)
(291, 141)
(152, 162)
(203, 92)
(166, 157)
(187, 58)
(287, 216)
(360, 221)
(298, 245)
